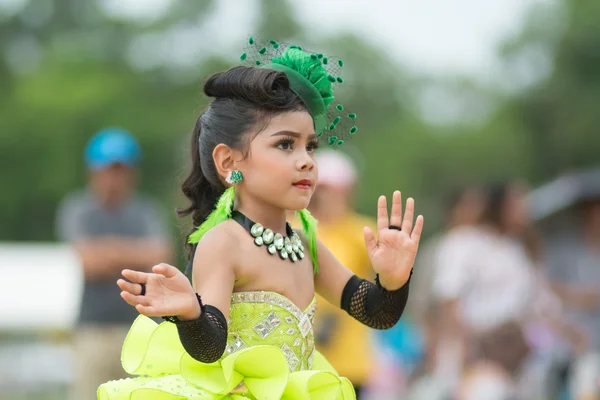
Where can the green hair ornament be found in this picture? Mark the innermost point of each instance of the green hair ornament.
(312, 77)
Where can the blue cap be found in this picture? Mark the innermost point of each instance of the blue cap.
(112, 146)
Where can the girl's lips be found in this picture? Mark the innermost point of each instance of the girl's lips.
(303, 184)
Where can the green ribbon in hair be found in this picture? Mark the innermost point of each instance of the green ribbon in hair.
(309, 95)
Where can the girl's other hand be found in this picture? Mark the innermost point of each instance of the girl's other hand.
(168, 292)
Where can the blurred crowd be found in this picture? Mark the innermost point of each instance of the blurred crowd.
(504, 301)
(506, 298)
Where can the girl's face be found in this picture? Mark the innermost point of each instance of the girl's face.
(280, 169)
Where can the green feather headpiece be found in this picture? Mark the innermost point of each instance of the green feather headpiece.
(313, 77)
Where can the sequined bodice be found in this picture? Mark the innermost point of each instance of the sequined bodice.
(268, 318)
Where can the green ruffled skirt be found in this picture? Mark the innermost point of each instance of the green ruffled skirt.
(164, 371)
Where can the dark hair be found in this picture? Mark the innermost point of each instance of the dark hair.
(495, 204)
(245, 98)
(494, 212)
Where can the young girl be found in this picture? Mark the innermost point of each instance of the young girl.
(243, 327)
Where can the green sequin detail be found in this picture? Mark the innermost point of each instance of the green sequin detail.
(243, 56)
(262, 51)
(340, 63)
(340, 80)
(352, 116)
(340, 107)
(353, 130)
(257, 62)
(250, 40)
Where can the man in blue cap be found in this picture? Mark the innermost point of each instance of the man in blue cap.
(111, 228)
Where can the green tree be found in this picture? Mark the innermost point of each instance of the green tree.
(559, 114)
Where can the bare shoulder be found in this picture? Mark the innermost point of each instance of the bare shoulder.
(214, 262)
(216, 244)
(220, 234)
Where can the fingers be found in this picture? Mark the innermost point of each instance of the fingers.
(135, 276)
(133, 288)
(370, 240)
(135, 300)
(409, 214)
(168, 271)
(147, 310)
(416, 233)
(396, 218)
(382, 214)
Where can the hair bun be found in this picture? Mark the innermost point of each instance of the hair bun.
(255, 85)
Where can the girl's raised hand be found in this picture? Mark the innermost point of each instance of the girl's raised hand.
(393, 252)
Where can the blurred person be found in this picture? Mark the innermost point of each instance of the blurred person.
(342, 340)
(484, 283)
(574, 265)
(112, 228)
(493, 293)
(463, 210)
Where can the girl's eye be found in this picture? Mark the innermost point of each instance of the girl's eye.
(285, 144)
(312, 146)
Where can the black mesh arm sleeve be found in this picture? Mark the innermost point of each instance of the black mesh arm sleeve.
(204, 338)
(371, 304)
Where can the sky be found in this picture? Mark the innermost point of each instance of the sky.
(441, 37)
(438, 36)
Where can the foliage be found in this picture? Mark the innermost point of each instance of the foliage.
(69, 68)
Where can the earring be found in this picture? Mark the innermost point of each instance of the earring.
(234, 177)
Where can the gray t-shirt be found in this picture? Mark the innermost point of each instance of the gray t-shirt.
(571, 262)
(79, 217)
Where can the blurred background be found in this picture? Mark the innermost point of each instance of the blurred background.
(485, 112)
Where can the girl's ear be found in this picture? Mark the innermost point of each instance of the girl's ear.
(223, 158)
